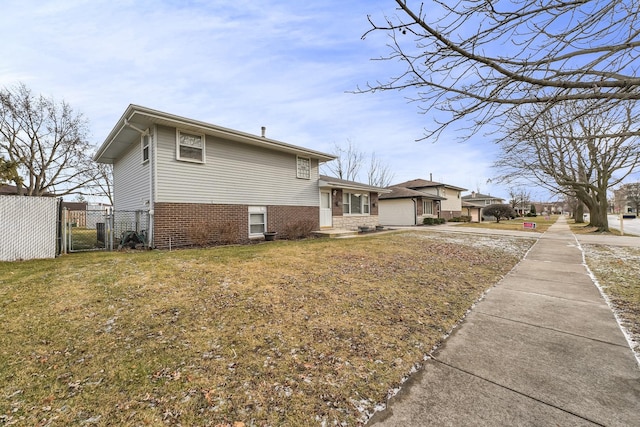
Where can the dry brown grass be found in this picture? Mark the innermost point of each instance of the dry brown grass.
(517, 224)
(285, 333)
(617, 270)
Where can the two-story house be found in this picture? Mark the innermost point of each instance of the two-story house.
(408, 203)
(187, 174)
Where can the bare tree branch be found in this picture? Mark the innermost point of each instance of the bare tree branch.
(477, 59)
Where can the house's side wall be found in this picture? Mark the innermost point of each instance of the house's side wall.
(396, 212)
(452, 206)
(131, 181)
(233, 173)
(180, 224)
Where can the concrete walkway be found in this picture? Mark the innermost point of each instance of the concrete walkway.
(542, 349)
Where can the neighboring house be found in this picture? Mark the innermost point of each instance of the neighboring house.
(408, 203)
(475, 202)
(191, 175)
(348, 204)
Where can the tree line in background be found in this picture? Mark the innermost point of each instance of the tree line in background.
(349, 162)
(557, 81)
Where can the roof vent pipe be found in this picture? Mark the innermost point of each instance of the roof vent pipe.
(264, 131)
(430, 176)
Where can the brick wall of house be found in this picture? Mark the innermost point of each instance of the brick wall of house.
(175, 223)
(186, 224)
(280, 218)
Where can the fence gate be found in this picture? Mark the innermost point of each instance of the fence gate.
(85, 230)
(90, 230)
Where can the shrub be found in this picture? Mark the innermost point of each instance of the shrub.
(464, 218)
(299, 229)
(200, 233)
(433, 221)
(228, 233)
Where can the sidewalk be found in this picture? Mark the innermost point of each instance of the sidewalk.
(543, 348)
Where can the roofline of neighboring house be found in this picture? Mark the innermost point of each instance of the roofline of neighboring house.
(167, 119)
(421, 183)
(331, 182)
(408, 193)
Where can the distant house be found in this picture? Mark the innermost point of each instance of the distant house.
(474, 203)
(188, 174)
(408, 203)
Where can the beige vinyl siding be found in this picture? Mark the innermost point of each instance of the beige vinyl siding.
(453, 202)
(131, 180)
(233, 173)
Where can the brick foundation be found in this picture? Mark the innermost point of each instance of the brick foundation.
(187, 224)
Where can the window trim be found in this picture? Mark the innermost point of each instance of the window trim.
(308, 174)
(188, 159)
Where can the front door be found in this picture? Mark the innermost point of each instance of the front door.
(325, 209)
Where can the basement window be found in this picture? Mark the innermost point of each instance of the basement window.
(257, 220)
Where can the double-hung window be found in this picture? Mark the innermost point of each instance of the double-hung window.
(257, 220)
(427, 207)
(303, 165)
(355, 203)
(190, 146)
(144, 143)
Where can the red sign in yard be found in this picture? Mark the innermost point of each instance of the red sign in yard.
(529, 224)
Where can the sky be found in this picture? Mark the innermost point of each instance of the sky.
(291, 66)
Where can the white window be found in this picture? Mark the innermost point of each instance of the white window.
(355, 203)
(144, 143)
(487, 202)
(427, 207)
(303, 168)
(190, 146)
(257, 220)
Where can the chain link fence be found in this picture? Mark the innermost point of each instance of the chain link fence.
(105, 229)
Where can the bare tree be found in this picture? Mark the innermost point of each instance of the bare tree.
(578, 157)
(519, 199)
(102, 185)
(48, 141)
(379, 174)
(347, 163)
(476, 59)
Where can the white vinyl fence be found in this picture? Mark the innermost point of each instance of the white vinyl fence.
(28, 227)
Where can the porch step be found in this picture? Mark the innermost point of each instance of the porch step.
(335, 233)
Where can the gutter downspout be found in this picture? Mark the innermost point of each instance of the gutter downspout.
(151, 175)
(415, 211)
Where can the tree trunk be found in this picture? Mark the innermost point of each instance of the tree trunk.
(578, 213)
(598, 213)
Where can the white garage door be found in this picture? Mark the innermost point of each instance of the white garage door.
(396, 212)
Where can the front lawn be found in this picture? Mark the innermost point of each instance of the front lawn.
(312, 332)
(517, 224)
